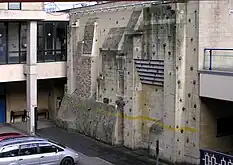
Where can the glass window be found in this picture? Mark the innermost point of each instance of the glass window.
(14, 5)
(59, 144)
(13, 42)
(40, 42)
(52, 41)
(47, 148)
(23, 42)
(9, 152)
(2, 43)
(49, 41)
(61, 41)
(28, 149)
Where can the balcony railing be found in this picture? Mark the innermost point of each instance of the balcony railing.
(51, 55)
(218, 59)
(42, 56)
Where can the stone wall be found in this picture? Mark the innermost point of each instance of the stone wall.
(88, 117)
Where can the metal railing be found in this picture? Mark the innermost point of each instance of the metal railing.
(210, 157)
(218, 59)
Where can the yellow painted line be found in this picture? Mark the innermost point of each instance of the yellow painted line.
(147, 118)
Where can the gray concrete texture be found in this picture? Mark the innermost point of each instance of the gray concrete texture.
(165, 32)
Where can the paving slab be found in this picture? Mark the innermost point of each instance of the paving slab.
(5, 128)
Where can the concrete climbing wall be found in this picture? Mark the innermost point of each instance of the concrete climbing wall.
(146, 56)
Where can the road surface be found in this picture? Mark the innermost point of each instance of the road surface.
(91, 151)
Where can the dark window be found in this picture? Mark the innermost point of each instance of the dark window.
(40, 42)
(60, 41)
(47, 148)
(3, 45)
(49, 42)
(28, 149)
(23, 42)
(17, 42)
(13, 42)
(9, 152)
(52, 41)
(14, 5)
(224, 126)
(59, 144)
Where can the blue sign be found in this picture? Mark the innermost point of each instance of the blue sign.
(209, 157)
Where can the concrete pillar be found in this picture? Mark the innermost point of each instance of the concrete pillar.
(94, 59)
(72, 50)
(30, 71)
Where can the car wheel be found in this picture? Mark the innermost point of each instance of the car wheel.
(67, 161)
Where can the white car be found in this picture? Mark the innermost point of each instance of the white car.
(30, 150)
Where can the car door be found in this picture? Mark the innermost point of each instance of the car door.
(28, 154)
(48, 154)
(9, 155)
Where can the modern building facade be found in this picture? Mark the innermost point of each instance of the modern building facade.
(33, 52)
(145, 73)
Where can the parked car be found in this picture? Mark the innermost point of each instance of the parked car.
(31, 150)
(7, 135)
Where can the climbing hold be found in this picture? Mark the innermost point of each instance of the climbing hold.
(194, 82)
(195, 106)
(187, 140)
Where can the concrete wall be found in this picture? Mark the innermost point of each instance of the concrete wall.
(149, 111)
(15, 72)
(47, 96)
(210, 85)
(216, 17)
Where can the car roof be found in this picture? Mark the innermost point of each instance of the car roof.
(19, 140)
(10, 134)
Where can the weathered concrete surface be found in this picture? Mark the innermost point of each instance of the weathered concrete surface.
(161, 100)
(89, 117)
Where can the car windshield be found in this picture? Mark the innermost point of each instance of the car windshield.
(59, 144)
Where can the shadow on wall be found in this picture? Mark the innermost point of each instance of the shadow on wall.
(86, 117)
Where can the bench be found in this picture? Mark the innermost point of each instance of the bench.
(18, 114)
(43, 112)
